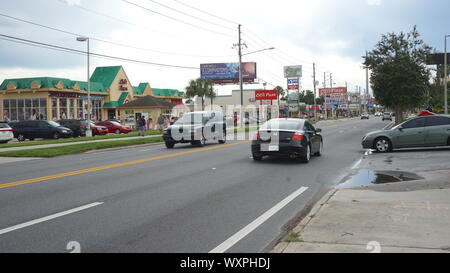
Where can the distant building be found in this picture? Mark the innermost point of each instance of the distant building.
(52, 98)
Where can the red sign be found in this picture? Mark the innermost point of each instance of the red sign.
(266, 94)
(336, 92)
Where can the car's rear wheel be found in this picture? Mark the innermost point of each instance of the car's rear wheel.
(307, 156)
(448, 141)
(382, 145)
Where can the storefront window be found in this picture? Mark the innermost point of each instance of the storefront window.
(54, 108)
(13, 105)
(71, 108)
(80, 109)
(63, 108)
(20, 109)
(23, 109)
(6, 110)
(43, 109)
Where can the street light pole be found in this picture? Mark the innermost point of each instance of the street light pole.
(241, 87)
(88, 128)
(445, 76)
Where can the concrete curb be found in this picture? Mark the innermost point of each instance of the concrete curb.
(280, 247)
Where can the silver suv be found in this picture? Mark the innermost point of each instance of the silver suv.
(387, 116)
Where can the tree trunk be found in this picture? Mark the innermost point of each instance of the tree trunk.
(203, 104)
(398, 114)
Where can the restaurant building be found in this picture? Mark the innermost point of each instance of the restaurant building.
(50, 98)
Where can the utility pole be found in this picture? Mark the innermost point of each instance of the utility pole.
(315, 102)
(325, 95)
(367, 86)
(331, 91)
(241, 88)
(445, 77)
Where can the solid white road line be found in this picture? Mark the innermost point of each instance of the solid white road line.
(47, 218)
(256, 223)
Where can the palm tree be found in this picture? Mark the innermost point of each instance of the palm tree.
(201, 88)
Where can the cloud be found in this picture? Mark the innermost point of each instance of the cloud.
(374, 2)
(72, 2)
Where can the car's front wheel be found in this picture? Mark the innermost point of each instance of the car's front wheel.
(169, 144)
(117, 131)
(382, 145)
(20, 137)
(55, 136)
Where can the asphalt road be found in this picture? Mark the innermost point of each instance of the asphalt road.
(151, 199)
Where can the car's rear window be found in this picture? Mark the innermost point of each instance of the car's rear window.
(279, 124)
(4, 125)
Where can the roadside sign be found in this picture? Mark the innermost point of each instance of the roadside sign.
(266, 94)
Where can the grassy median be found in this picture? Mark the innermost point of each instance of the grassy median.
(77, 139)
(79, 148)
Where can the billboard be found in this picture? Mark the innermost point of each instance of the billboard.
(293, 71)
(335, 92)
(222, 73)
(266, 94)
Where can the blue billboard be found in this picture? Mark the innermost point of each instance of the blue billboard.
(228, 72)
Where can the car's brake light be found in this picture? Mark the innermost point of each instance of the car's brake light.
(257, 136)
(298, 136)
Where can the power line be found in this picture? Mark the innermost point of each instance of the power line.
(60, 48)
(207, 13)
(178, 20)
(106, 41)
(190, 15)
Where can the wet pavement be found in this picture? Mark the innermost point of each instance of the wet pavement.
(369, 177)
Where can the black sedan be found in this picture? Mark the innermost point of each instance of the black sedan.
(294, 138)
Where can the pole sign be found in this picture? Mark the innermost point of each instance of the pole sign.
(266, 94)
(293, 71)
(293, 84)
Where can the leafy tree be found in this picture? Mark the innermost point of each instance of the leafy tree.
(281, 93)
(201, 88)
(320, 100)
(400, 78)
(307, 97)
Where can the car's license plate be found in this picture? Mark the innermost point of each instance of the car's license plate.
(274, 148)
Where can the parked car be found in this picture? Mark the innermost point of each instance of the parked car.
(114, 127)
(387, 116)
(6, 133)
(31, 129)
(428, 131)
(365, 115)
(98, 130)
(196, 128)
(295, 138)
(78, 126)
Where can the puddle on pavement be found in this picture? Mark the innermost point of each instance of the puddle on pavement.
(370, 177)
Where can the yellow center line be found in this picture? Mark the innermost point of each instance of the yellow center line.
(106, 167)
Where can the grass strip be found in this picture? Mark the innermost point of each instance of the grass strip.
(79, 148)
(78, 139)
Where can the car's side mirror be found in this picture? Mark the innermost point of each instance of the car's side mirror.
(318, 130)
(400, 128)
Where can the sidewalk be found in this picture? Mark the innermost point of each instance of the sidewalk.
(400, 217)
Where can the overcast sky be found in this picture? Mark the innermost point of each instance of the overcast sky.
(332, 33)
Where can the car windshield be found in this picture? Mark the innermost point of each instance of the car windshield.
(279, 124)
(191, 118)
(54, 124)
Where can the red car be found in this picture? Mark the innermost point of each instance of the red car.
(98, 130)
(114, 127)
